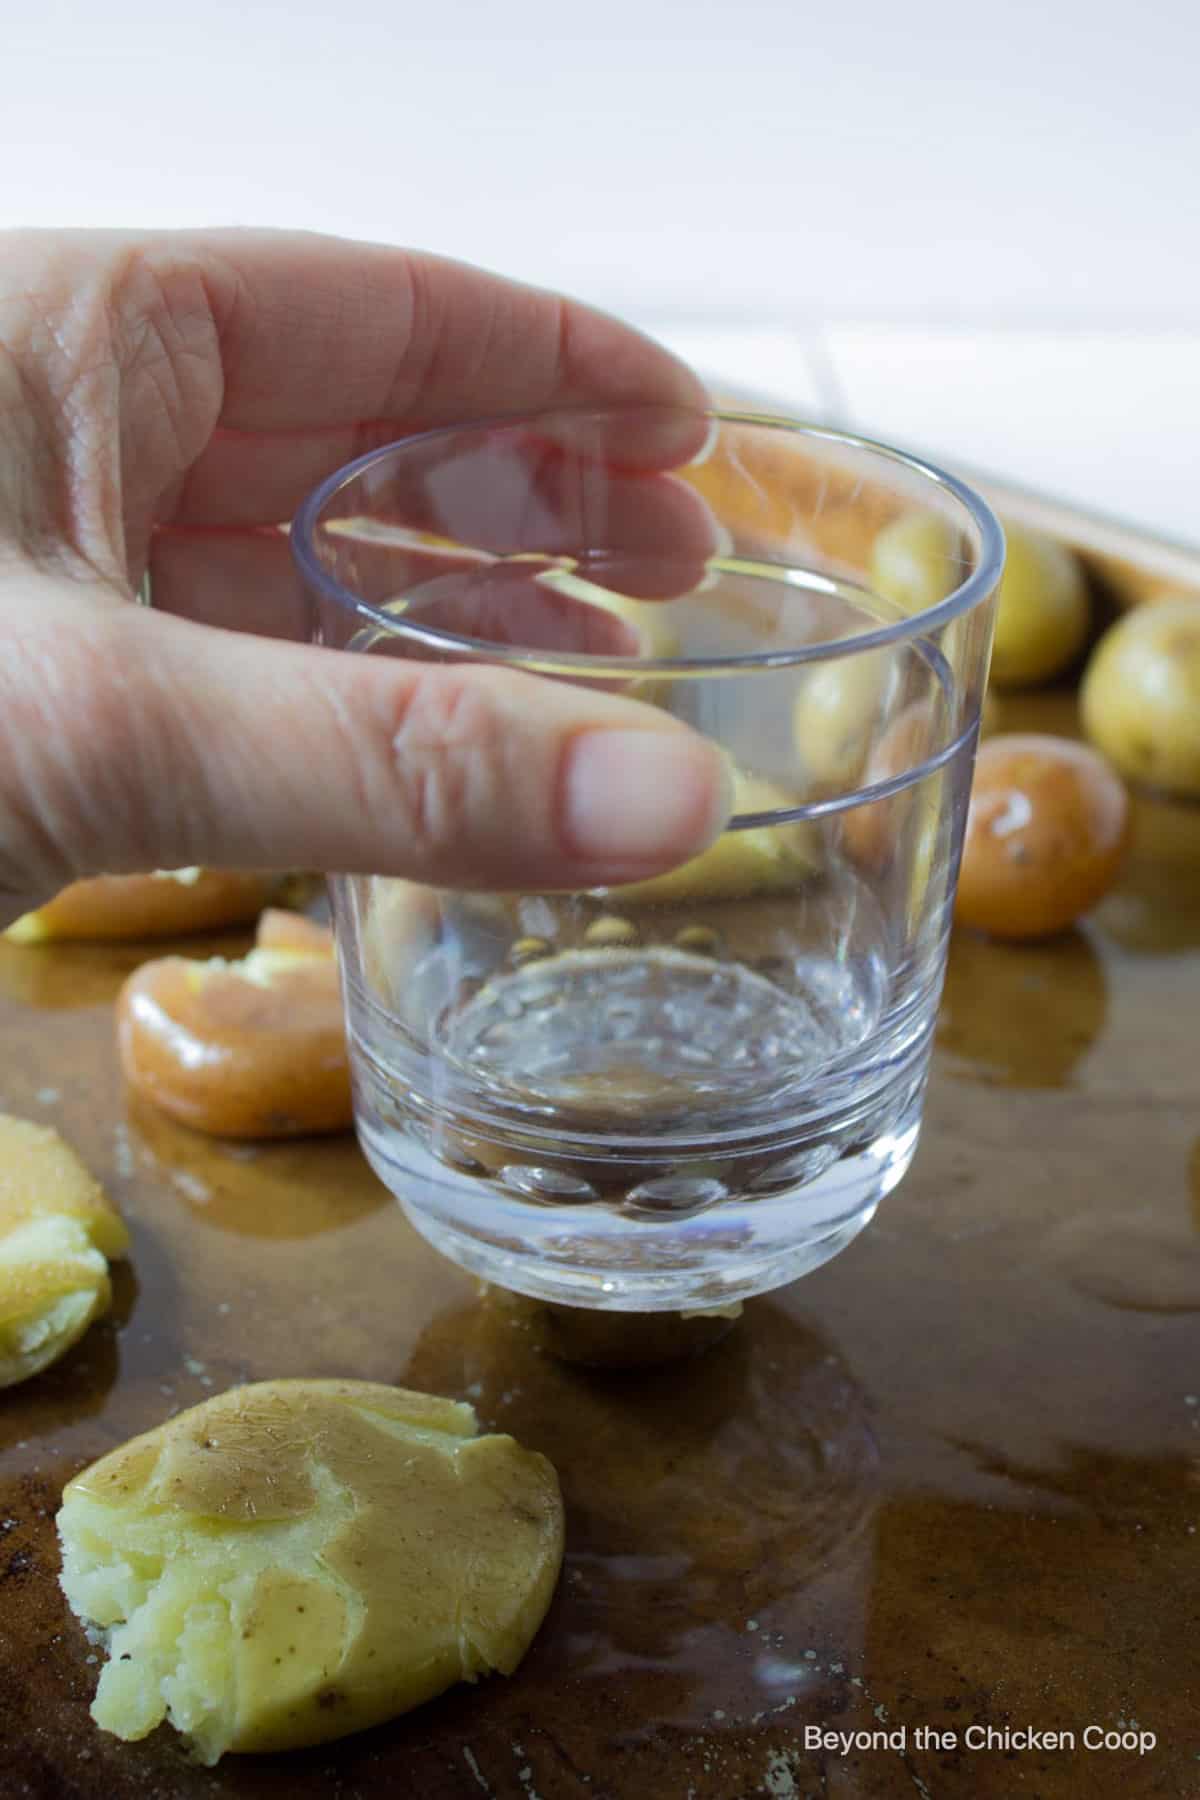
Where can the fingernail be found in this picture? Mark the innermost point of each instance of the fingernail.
(632, 799)
(712, 438)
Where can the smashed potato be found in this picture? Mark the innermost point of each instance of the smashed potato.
(57, 1231)
(281, 930)
(248, 1049)
(296, 1560)
(168, 903)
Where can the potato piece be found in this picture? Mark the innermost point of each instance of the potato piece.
(989, 715)
(1141, 695)
(168, 903)
(1047, 831)
(249, 1049)
(914, 561)
(837, 715)
(873, 831)
(1043, 613)
(296, 1560)
(764, 859)
(653, 636)
(57, 1228)
(281, 930)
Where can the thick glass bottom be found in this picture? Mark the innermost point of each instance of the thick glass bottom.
(719, 1249)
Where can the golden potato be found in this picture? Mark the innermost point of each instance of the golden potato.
(296, 1560)
(837, 714)
(915, 561)
(1047, 832)
(1140, 700)
(248, 1049)
(764, 859)
(57, 1230)
(873, 832)
(1043, 612)
(167, 903)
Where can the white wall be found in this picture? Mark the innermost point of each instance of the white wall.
(1031, 160)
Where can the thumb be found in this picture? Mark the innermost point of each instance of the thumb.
(154, 742)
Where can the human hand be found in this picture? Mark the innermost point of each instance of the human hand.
(166, 402)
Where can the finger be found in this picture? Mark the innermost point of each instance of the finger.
(249, 478)
(237, 580)
(650, 533)
(317, 331)
(649, 536)
(227, 750)
(244, 581)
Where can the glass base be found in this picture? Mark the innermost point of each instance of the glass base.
(591, 1256)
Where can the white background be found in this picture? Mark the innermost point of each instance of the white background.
(975, 226)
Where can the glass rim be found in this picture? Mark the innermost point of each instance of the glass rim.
(978, 585)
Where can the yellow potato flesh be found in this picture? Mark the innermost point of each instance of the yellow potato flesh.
(56, 1231)
(296, 1560)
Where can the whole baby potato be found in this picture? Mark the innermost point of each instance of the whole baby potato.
(1042, 610)
(837, 713)
(914, 562)
(1047, 830)
(1140, 700)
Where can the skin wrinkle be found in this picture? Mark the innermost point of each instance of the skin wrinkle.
(228, 295)
(155, 768)
(39, 815)
(84, 388)
(168, 342)
(30, 470)
(348, 733)
(420, 329)
(131, 739)
(445, 753)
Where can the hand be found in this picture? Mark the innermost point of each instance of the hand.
(168, 401)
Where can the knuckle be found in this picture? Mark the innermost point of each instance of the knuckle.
(449, 752)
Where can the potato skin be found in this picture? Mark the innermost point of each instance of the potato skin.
(872, 831)
(123, 908)
(1140, 700)
(1047, 831)
(279, 929)
(1043, 612)
(370, 1547)
(234, 1056)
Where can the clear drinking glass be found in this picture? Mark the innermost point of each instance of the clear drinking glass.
(679, 1093)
